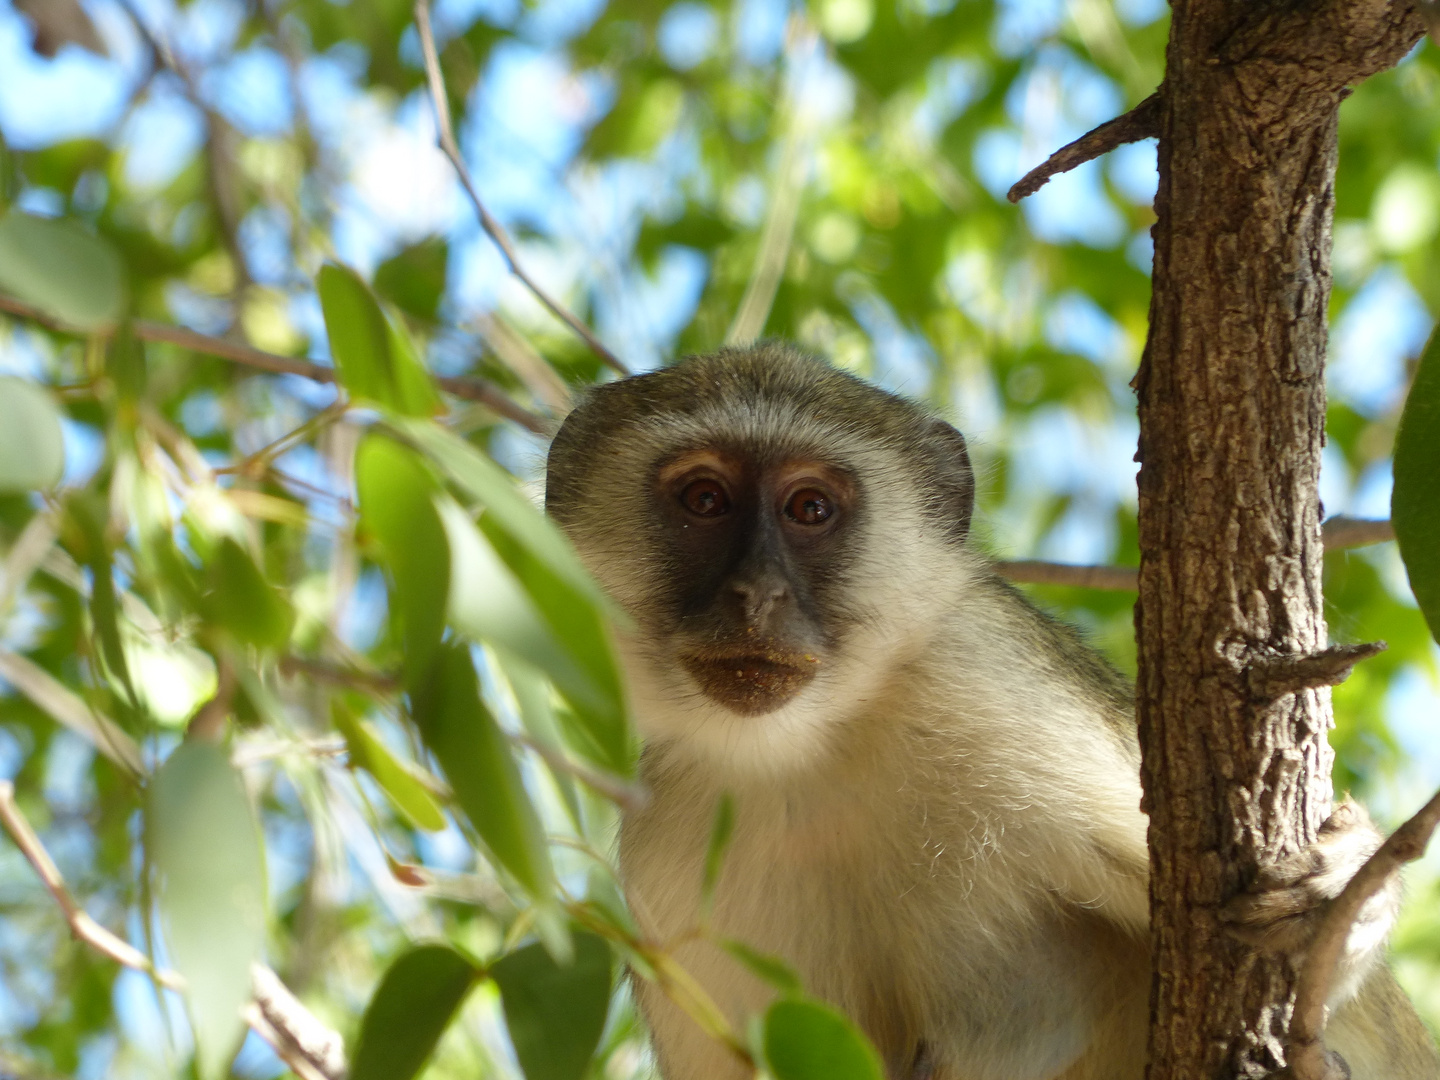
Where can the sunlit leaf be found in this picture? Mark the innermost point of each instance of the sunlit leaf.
(32, 451)
(397, 780)
(555, 1013)
(409, 1011)
(1415, 504)
(580, 629)
(489, 602)
(238, 598)
(537, 713)
(805, 1040)
(62, 268)
(395, 490)
(414, 278)
(375, 361)
(481, 479)
(205, 846)
(481, 768)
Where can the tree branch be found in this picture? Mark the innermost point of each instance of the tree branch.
(1141, 122)
(1338, 534)
(82, 926)
(493, 228)
(469, 387)
(1034, 572)
(301, 1041)
(1272, 678)
(1306, 1054)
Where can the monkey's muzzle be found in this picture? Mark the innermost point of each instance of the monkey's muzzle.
(749, 681)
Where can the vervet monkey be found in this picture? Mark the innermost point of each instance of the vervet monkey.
(936, 787)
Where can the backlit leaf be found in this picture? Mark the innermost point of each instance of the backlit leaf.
(205, 846)
(397, 780)
(395, 490)
(238, 598)
(374, 359)
(1415, 504)
(478, 762)
(580, 629)
(487, 483)
(555, 1013)
(32, 450)
(409, 1011)
(805, 1040)
(61, 268)
(414, 279)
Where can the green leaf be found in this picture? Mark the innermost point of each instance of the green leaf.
(805, 1040)
(481, 769)
(32, 451)
(764, 966)
(579, 627)
(414, 279)
(555, 1014)
(238, 598)
(1415, 504)
(374, 360)
(537, 713)
(397, 780)
(720, 832)
(567, 641)
(61, 268)
(205, 846)
(410, 1010)
(487, 483)
(395, 490)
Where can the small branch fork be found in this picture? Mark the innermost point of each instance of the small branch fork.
(468, 387)
(1141, 122)
(1306, 1054)
(277, 1016)
(1272, 678)
(493, 228)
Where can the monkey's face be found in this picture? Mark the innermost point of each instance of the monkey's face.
(753, 541)
(772, 527)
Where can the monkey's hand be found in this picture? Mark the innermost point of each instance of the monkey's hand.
(1282, 910)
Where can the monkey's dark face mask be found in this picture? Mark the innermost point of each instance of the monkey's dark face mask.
(754, 550)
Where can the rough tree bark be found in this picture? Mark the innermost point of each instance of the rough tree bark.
(1233, 699)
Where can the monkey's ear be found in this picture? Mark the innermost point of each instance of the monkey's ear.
(951, 478)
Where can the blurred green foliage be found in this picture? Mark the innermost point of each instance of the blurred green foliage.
(350, 589)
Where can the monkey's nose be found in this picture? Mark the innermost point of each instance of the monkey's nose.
(759, 598)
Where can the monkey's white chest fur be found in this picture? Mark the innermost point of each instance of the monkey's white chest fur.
(934, 892)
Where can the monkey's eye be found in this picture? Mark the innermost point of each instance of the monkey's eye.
(809, 507)
(705, 498)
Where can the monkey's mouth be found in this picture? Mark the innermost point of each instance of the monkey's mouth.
(750, 681)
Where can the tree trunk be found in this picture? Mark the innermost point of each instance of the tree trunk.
(1232, 413)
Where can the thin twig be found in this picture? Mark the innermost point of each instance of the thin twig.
(469, 387)
(81, 924)
(1141, 122)
(64, 705)
(629, 797)
(1346, 532)
(1034, 572)
(302, 1041)
(1306, 1054)
(493, 228)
